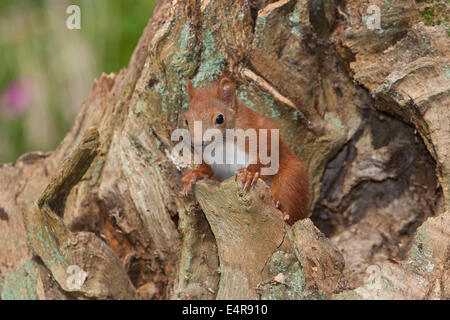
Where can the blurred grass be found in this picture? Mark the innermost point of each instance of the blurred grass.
(59, 65)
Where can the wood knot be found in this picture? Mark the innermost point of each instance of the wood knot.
(3, 215)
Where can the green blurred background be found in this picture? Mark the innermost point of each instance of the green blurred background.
(47, 70)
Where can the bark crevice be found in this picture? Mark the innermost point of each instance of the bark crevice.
(336, 89)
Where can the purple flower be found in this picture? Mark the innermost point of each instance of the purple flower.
(16, 98)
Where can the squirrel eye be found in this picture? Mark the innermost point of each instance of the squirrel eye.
(219, 119)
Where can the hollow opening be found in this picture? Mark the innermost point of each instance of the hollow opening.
(375, 193)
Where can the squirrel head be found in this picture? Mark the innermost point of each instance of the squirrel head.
(214, 106)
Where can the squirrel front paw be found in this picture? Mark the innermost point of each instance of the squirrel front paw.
(276, 204)
(247, 177)
(190, 179)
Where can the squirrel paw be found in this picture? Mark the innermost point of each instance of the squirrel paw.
(276, 203)
(190, 179)
(248, 178)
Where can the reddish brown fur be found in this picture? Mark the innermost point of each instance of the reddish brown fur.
(290, 186)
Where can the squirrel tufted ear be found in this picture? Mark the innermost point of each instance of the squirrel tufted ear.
(226, 91)
(190, 88)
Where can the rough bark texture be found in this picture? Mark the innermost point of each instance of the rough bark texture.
(367, 110)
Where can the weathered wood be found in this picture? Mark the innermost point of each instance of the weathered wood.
(367, 110)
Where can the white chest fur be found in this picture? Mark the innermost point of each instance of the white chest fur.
(233, 159)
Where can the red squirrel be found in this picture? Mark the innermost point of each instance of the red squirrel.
(218, 107)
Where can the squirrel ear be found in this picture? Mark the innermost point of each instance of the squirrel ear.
(226, 91)
(190, 88)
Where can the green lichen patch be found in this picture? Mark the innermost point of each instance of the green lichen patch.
(171, 69)
(446, 70)
(284, 116)
(260, 101)
(294, 285)
(260, 26)
(21, 284)
(184, 59)
(244, 96)
(294, 20)
(334, 125)
(48, 243)
(272, 105)
(211, 61)
(420, 255)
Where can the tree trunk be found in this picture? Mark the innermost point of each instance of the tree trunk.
(366, 109)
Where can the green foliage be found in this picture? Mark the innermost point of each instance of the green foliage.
(35, 44)
(114, 28)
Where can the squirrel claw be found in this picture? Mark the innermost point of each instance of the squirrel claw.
(190, 179)
(187, 189)
(286, 216)
(276, 203)
(248, 178)
(255, 178)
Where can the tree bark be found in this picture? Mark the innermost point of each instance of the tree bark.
(367, 110)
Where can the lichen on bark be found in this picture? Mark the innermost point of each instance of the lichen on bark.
(367, 111)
